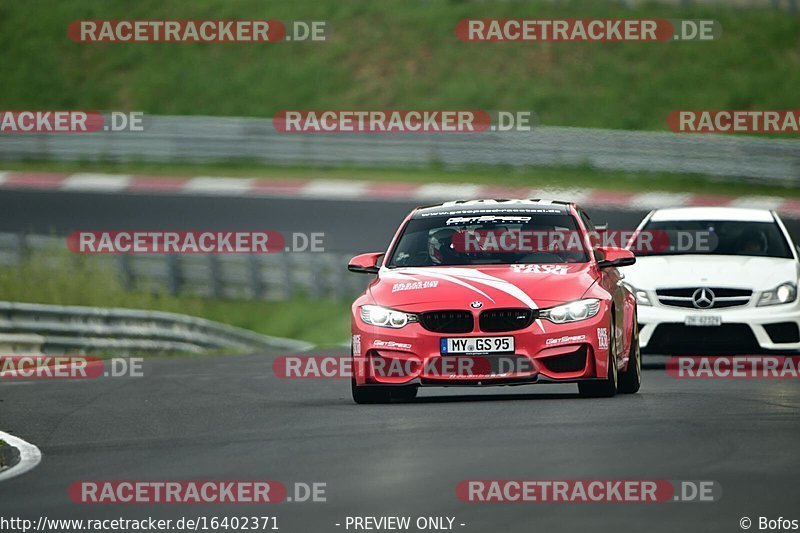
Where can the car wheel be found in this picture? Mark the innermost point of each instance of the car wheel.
(605, 388)
(370, 393)
(631, 379)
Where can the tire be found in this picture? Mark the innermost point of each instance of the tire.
(369, 394)
(605, 388)
(631, 379)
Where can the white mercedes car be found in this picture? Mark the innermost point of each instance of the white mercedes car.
(725, 284)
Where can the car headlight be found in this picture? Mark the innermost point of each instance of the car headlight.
(376, 315)
(642, 298)
(571, 312)
(782, 294)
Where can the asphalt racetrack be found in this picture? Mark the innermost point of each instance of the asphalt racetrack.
(349, 225)
(230, 418)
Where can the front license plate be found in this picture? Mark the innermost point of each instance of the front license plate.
(477, 345)
(703, 320)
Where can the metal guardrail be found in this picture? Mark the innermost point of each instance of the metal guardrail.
(277, 276)
(37, 328)
(71, 329)
(207, 139)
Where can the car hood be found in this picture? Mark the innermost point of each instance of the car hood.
(419, 288)
(673, 271)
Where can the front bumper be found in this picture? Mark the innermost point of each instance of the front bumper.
(769, 329)
(560, 353)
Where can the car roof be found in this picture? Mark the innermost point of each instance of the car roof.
(494, 206)
(712, 213)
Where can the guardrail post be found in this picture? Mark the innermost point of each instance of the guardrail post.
(316, 276)
(254, 271)
(22, 249)
(126, 272)
(215, 276)
(174, 281)
(288, 276)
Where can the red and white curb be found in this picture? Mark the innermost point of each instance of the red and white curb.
(328, 189)
(29, 456)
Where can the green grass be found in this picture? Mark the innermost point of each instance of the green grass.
(73, 280)
(567, 177)
(400, 54)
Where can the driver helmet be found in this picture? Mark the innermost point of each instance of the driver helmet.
(440, 246)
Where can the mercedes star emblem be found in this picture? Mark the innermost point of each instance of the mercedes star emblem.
(703, 298)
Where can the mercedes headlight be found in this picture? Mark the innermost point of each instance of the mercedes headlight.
(782, 294)
(571, 312)
(642, 298)
(376, 315)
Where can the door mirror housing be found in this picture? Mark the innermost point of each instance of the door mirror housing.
(365, 263)
(615, 257)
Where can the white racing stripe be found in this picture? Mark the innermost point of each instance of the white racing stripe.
(29, 456)
(448, 277)
(506, 287)
(501, 285)
(460, 276)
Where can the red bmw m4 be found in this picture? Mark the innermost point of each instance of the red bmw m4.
(494, 292)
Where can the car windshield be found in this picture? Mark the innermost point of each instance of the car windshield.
(720, 237)
(468, 239)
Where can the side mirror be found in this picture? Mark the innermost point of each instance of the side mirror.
(365, 263)
(615, 257)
